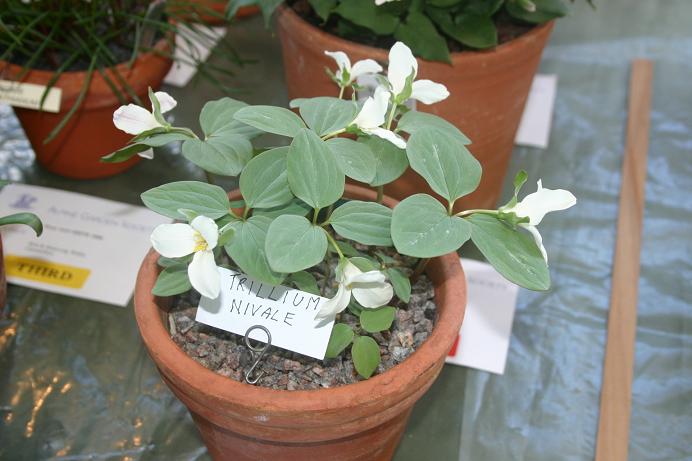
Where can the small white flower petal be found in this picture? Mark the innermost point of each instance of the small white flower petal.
(174, 240)
(204, 275)
(382, 2)
(536, 205)
(366, 277)
(148, 154)
(338, 303)
(372, 295)
(374, 110)
(341, 58)
(428, 92)
(209, 230)
(538, 239)
(390, 136)
(166, 101)
(401, 64)
(133, 119)
(366, 66)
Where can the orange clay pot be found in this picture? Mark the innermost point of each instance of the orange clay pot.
(362, 421)
(90, 133)
(3, 282)
(488, 90)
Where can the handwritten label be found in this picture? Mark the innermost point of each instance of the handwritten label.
(288, 314)
(483, 341)
(28, 96)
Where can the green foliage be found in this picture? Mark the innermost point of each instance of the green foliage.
(390, 161)
(264, 182)
(247, 249)
(224, 154)
(364, 222)
(305, 281)
(355, 159)
(376, 320)
(366, 355)
(326, 115)
(513, 253)
(173, 280)
(271, 119)
(340, 339)
(294, 244)
(28, 219)
(401, 284)
(204, 199)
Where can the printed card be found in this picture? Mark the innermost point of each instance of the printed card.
(534, 128)
(288, 314)
(28, 96)
(90, 248)
(483, 341)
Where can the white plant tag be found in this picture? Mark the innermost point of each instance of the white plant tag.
(28, 96)
(534, 128)
(483, 341)
(189, 51)
(288, 314)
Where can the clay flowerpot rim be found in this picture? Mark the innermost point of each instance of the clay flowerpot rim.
(72, 80)
(196, 377)
(468, 57)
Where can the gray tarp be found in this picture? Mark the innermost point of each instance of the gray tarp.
(76, 382)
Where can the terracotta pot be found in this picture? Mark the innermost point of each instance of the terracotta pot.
(362, 421)
(488, 92)
(90, 134)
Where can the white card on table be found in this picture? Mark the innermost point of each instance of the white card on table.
(288, 314)
(534, 128)
(90, 248)
(483, 341)
(187, 46)
(28, 96)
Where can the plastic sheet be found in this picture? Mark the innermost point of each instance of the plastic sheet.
(77, 384)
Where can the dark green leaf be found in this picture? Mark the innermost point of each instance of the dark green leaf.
(364, 264)
(305, 281)
(341, 337)
(419, 33)
(295, 207)
(376, 320)
(28, 219)
(366, 14)
(366, 355)
(401, 284)
(124, 154)
(545, 11)
(512, 252)
(173, 280)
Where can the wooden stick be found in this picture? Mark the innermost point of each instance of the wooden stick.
(616, 394)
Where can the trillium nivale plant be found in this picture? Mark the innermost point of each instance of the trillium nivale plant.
(293, 214)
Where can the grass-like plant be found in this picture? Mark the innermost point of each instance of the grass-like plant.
(97, 35)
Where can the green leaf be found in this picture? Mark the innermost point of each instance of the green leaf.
(364, 222)
(264, 181)
(546, 10)
(294, 244)
(163, 139)
(347, 249)
(28, 219)
(385, 258)
(217, 116)
(366, 355)
(390, 161)
(173, 280)
(326, 115)
(446, 164)
(422, 228)
(124, 154)
(419, 33)
(294, 207)
(519, 180)
(224, 155)
(512, 253)
(313, 173)
(156, 108)
(376, 320)
(271, 119)
(305, 281)
(204, 199)
(469, 28)
(414, 121)
(247, 249)
(366, 14)
(355, 159)
(341, 337)
(401, 284)
(323, 8)
(364, 264)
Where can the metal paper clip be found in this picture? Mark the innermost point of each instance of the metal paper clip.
(257, 352)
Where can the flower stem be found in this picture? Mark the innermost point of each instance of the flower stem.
(390, 118)
(420, 267)
(380, 194)
(341, 92)
(314, 216)
(331, 135)
(210, 178)
(333, 242)
(461, 214)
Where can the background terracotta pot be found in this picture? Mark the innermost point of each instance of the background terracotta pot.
(3, 282)
(182, 8)
(362, 421)
(90, 133)
(488, 92)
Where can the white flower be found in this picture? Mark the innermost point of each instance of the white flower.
(346, 74)
(133, 119)
(199, 237)
(369, 289)
(382, 2)
(402, 64)
(536, 205)
(372, 116)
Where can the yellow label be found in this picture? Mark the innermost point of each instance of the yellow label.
(40, 270)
